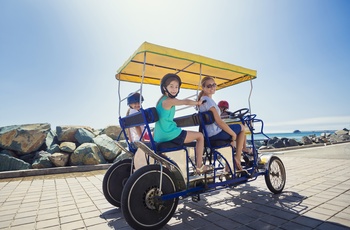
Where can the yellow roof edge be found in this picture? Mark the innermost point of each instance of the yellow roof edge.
(161, 50)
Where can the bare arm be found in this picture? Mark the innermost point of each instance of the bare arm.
(222, 124)
(139, 131)
(169, 102)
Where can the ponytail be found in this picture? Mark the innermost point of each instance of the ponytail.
(200, 95)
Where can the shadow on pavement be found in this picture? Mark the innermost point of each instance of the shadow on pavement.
(244, 207)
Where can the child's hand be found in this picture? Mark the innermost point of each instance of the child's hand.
(200, 102)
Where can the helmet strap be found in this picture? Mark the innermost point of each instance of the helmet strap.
(169, 94)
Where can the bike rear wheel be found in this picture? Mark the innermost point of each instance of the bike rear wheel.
(141, 204)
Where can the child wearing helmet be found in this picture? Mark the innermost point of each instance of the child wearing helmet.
(166, 129)
(224, 106)
(135, 133)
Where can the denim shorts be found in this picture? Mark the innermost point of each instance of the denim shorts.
(180, 140)
(225, 136)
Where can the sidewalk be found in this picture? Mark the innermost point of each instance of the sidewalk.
(316, 196)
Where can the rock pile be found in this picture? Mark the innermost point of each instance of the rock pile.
(336, 137)
(38, 146)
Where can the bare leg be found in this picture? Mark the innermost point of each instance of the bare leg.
(191, 136)
(239, 146)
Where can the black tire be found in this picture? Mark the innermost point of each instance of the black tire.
(139, 208)
(275, 176)
(114, 181)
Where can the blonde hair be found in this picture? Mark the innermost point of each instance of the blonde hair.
(204, 80)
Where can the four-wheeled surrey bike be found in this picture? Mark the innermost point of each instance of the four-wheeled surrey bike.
(149, 195)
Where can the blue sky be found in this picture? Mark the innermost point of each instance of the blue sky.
(58, 58)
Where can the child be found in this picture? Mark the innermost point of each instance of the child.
(224, 106)
(135, 133)
(219, 130)
(167, 130)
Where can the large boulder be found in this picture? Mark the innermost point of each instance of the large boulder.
(84, 136)
(59, 159)
(51, 139)
(108, 147)
(8, 153)
(9, 163)
(67, 133)
(306, 140)
(275, 142)
(113, 132)
(68, 147)
(23, 138)
(42, 160)
(342, 132)
(87, 154)
(54, 149)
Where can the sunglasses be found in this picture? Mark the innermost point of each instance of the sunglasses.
(209, 86)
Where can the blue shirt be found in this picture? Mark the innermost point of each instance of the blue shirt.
(165, 128)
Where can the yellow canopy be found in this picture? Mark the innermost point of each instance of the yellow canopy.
(160, 60)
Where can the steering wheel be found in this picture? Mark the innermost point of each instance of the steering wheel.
(239, 113)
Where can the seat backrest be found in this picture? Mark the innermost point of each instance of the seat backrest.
(188, 120)
(144, 117)
(207, 118)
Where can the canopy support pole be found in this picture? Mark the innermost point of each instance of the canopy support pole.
(143, 76)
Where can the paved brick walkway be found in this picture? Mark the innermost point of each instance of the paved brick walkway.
(316, 196)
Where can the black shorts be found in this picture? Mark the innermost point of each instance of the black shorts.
(180, 140)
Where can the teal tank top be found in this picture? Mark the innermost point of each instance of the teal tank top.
(165, 128)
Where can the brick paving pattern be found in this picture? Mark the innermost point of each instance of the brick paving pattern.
(316, 196)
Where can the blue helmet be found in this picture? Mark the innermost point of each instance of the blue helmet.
(134, 98)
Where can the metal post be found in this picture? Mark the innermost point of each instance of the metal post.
(143, 76)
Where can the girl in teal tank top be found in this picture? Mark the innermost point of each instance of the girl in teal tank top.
(166, 128)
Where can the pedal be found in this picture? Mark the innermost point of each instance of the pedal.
(196, 198)
(243, 173)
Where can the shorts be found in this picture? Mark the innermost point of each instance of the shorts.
(180, 140)
(236, 128)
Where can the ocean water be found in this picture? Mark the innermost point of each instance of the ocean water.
(296, 136)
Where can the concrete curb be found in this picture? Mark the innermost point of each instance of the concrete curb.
(56, 170)
(300, 147)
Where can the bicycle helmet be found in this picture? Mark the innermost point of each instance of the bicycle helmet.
(223, 104)
(134, 98)
(166, 81)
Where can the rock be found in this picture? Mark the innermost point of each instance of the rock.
(54, 149)
(23, 138)
(8, 153)
(275, 142)
(292, 142)
(9, 163)
(113, 132)
(123, 156)
(108, 147)
(278, 144)
(84, 136)
(59, 159)
(67, 133)
(87, 154)
(51, 139)
(42, 160)
(339, 138)
(68, 147)
(342, 132)
(29, 158)
(306, 140)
